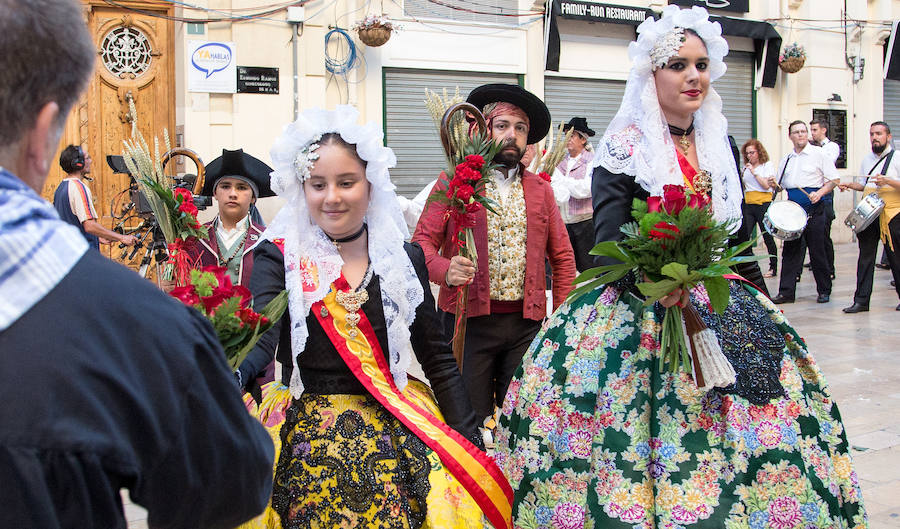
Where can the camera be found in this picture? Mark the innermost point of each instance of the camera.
(142, 207)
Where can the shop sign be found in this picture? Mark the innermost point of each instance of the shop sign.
(578, 10)
(257, 80)
(737, 6)
(212, 67)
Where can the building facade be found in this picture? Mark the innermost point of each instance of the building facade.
(573, 53)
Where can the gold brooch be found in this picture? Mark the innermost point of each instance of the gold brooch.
(703, 182)
(352, 302)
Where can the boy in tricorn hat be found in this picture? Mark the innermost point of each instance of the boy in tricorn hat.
(572, 186)
(507, 300)
(236, 180)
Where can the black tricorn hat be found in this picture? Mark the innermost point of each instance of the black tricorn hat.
(238, 164)
(534, 108)
(579, 124)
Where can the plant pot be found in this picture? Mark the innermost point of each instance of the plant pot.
(374, 36)
(792, 64)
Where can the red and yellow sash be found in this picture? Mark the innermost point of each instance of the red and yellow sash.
(362, 353)
(687, 171)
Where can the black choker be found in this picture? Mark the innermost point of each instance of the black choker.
(337, 242)
(678, 131)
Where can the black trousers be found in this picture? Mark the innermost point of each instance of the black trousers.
(495, 345)
(792, 256)
(581, 235)
(829, 244)
(893, 257)
(753, 216)
(867, 240)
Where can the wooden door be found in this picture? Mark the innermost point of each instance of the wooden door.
(135, 61)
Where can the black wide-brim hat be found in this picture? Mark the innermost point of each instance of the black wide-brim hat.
(579, 124)
(534, 108)
(238, 164)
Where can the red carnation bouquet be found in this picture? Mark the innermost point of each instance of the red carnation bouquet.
(230, 310)
(675, 243)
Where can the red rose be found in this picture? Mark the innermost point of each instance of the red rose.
(221, 274)
(211, 302)
(465, 192)
(673, 199)
(654, 204)
(544, 175)
(248, 316)
(188, 207)
(244, 293)
(698, 200)
(475, 161)
(186, 294)
(664, 230)
(185, 195)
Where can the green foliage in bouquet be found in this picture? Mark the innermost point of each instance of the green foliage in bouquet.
(674, 243)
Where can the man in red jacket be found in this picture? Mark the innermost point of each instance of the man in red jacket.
(507, 298)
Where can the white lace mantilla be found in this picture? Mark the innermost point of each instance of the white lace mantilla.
(637, 141)
(312, 262)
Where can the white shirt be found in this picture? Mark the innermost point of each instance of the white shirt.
(229, 237)
(412, 208)
(505, 183)
(763, 171)
(832, 149)
(808, 168)
(873, 162)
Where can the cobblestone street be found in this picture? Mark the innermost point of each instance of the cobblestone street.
(856, 352)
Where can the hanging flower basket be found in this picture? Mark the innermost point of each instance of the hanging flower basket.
(792, 58)
(791, 64)
(375, 30)
(374, 36)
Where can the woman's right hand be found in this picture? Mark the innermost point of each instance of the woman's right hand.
(679, 296)
(461, 271)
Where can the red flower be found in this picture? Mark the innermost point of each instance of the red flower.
(673, 199)
(221, 274)
(544, 175)
(185, 195)
(698, 200)
(188, 207)
(465, 192)
(475, 161)
(466, 174)
(186, 294)
(654, 204)
(244, 293)
(473, 207)
(212, 302)
(248, 316)
(664, 230)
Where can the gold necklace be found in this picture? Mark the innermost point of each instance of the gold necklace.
(678, 131)
(352, 301)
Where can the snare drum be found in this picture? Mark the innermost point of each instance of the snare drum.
(785, 220)
(868, 209)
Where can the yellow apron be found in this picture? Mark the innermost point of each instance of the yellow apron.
(891, 197)
(757, 197)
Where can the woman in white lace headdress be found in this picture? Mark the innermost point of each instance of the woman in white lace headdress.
(359, 443)
(593, 433)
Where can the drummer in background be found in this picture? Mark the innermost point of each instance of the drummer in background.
(809, 176)
(882, 172)
(758, 177)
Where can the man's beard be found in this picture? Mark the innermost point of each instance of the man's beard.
(878, 149)
(509, 159)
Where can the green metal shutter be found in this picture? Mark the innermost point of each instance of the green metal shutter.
(594, 99)
(410, 131)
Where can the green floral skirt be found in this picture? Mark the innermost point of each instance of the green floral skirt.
(594, 435)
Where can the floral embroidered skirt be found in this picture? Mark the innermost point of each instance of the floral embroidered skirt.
(594, 435)
(344, 461)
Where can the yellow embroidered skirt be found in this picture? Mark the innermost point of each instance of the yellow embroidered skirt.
(345, 461)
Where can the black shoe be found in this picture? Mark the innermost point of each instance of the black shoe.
(823, 298)
(807, 266)
(832, 275)
(898, 307)
(779, 299)
(856, 307)
(883, 266)
(893, 283)
(798, 278)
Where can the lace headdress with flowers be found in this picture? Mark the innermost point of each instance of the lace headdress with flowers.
(311, 260)
(637, 141)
